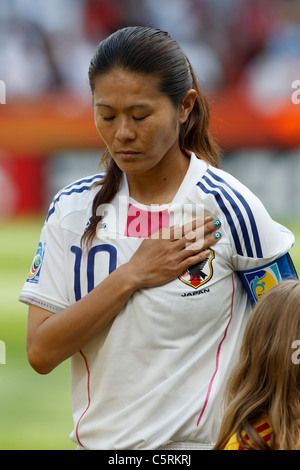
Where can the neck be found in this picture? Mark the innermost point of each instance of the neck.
(160, 185)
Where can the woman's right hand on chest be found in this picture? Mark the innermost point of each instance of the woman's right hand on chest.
(169, 252)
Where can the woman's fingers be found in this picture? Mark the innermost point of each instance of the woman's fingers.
(207, 226)
(189, 232)
(199, 245)
(178, 232)
(199, 223)
(198, 251)
(193, 260)
(164, 256)
(199, 235)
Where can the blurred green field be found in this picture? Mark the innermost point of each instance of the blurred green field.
(35, 411)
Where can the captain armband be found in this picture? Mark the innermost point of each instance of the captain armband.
(259, 280)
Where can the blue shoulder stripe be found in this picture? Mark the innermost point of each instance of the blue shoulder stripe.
(227, 215)
(248, 210)
(220, 192)
(73, 188)
(91, 180)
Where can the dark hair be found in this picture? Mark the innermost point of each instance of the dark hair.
(151, 51)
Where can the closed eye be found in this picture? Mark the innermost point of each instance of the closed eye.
(140, 119)
(134, 118)
(108, 118)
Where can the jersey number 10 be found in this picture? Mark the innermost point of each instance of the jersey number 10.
(90, 269)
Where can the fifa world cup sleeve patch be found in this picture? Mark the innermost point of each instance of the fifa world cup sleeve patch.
(259, 280)
(35, 270)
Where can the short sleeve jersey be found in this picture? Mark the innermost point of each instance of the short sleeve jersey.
(155, 374)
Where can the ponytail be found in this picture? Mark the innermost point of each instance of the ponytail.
(196, 136)
(109, 186)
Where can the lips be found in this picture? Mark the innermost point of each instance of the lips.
(127, 154)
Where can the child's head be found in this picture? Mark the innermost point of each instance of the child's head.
(267, 351)
(266, 378)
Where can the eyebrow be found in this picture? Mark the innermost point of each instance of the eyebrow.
(130, 107)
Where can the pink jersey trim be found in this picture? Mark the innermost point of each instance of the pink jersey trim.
(218, 355)
(40, 303)
(89, 397)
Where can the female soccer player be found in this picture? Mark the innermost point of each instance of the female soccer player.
(263, 394)
(131, 278)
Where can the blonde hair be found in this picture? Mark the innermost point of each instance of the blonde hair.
(266, 381)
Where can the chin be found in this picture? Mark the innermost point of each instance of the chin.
(134, 168)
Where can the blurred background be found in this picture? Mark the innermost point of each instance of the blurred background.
(246, 54)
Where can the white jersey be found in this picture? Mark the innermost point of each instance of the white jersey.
(155, 375)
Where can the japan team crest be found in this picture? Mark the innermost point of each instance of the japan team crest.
(200, 274)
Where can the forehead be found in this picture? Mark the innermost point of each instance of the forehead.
(119, 86)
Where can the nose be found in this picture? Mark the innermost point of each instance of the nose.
(125, 130)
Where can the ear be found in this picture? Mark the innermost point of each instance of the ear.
(187, 105)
